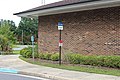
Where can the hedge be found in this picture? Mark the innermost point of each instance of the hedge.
(48, 56)
(27, 53)
(45, 56)
(94, 60)
(55, 57)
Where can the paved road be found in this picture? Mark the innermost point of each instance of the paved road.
(8, 76)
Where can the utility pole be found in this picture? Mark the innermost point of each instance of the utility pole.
(43, 2)
(22, 37)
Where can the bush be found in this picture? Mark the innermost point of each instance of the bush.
(45, 56)
(26, 52)
(90, 60)
(73, 58)
(112, 61)
(105, 61)
(22, 52)
(36, 55)
(48, 56)
(55, 57)
(41, 55)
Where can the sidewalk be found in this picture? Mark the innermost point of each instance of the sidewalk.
(19, 47)
(13, 62)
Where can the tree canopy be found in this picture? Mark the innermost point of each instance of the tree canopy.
(29, 27)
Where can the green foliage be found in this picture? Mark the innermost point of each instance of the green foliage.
(45, 56)
(73, 58)
(27, 53)
(54, 57)
(105, 61)
(36, 55)
(41, 55)
(29, 27)
(48, 56)
(3, 42)
(7, 28)
(6, 36)
(9, 23)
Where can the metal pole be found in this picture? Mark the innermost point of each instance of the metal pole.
(33, 50)
(60, 50)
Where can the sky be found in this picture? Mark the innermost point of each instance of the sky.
(8, 7)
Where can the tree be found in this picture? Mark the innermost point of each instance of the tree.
(4, 43)
(6, 35)
(12, 26)
(5, 29)
(29, 27)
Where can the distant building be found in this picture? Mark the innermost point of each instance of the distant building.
(90, 26)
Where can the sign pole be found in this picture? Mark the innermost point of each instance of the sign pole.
(60, 28)
(33, 50)
(33, 55)
(60, 49)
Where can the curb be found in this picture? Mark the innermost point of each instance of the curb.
(44, 76)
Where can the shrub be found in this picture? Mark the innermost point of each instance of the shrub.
(45, 56)
(36, 55)
(74, 58)
(55, 57)
(105, 61)
(41, 55)
(26, 52)
(112, 61)
(23, 52)
(90, 60)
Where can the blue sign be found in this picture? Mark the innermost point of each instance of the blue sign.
(60, 26)
(32, 38)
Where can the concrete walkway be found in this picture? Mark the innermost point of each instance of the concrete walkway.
(13, 62)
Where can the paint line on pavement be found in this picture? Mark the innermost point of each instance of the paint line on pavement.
(8, 70)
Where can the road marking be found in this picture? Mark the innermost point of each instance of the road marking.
(8, 70)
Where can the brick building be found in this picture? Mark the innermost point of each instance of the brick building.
(90, 26)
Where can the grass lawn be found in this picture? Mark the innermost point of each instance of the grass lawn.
(115, 72)
(16, 51)
(15, 46)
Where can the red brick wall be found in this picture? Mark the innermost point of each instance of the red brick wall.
(85, 32)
